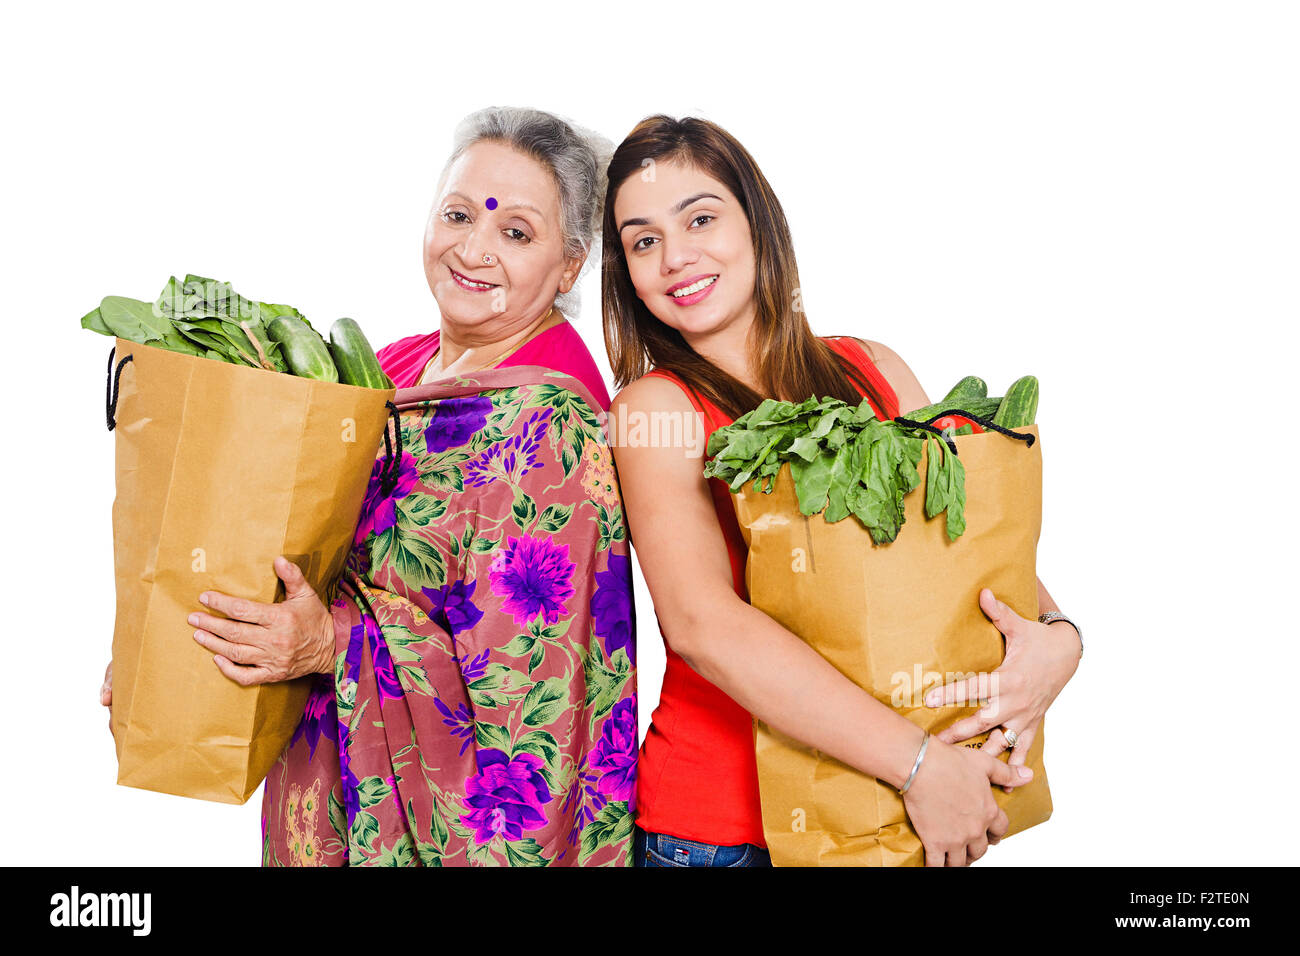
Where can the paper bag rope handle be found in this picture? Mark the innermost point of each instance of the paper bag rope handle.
(985, 423)
(393, 466)
(114, 387)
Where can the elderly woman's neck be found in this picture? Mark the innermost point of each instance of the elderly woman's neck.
(460, 352)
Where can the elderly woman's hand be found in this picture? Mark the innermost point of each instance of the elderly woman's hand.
(1040, 660)
(259, 643)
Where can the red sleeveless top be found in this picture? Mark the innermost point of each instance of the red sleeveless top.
(696, 774)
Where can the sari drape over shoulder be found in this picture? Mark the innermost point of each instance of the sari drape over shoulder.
(482, 709)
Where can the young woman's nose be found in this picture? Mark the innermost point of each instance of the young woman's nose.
(678, 253)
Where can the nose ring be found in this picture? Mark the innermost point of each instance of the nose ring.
(487, 259)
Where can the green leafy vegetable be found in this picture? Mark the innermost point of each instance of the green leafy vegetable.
(843, 460)
(197, 316)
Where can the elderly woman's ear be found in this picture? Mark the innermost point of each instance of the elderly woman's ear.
(570, 274)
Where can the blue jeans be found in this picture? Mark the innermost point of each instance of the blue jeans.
(659, 849)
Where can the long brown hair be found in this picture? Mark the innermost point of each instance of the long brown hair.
(792, 363)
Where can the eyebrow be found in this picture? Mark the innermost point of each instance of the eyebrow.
(676, 209)
(518, 205)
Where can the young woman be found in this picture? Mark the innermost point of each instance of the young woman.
(700, 283)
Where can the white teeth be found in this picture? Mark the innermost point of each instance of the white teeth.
(696, 287)
(473, 284)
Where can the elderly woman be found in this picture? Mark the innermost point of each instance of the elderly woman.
(475, 696)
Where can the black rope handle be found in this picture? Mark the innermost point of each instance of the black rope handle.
(909, 423)
(393, 466)
(985, 423)
(114, 387)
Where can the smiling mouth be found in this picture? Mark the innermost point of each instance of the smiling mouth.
(467, 283)
(694, 287)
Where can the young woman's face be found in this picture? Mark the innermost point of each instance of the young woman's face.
(521, 234)
(681, 229)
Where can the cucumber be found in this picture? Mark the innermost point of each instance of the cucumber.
(303, 349)
(354, 358)
(972, 386)
(983, 407)
(1020, 405)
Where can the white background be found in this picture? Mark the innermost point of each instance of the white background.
(1101, 194)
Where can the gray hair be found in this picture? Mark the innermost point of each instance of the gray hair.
(578, 158)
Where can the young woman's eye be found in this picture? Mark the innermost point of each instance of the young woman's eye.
(703, 215)
(637, 247)
(518, 234)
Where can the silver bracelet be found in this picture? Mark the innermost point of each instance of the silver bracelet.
(920, 755)
(1050, 617)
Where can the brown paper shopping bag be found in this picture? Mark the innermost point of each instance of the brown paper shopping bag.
(219, 469)
(897, 619)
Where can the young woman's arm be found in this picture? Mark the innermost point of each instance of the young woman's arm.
(764, 667)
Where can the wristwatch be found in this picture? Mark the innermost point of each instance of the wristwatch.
(1049, 617)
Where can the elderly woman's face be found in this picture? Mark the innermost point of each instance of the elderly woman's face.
(504, 205)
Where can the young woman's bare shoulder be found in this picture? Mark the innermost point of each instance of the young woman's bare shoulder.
(651, 393)
(898, 374)
(653, 426)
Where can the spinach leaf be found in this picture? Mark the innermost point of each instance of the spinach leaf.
(197, 316)
(843, 460)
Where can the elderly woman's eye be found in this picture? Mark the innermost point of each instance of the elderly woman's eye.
(517, 234)
(455, 212)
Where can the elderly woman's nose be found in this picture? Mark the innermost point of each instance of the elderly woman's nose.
(478, 242)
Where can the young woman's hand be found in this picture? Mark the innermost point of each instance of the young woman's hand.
(106, 694)
(1040, 660)
(951, 805)
(260, 643)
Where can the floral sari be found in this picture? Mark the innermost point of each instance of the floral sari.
(482, 709)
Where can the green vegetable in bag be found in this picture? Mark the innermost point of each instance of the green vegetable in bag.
(843, 460)
(208, 318)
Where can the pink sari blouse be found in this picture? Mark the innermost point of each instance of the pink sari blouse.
(560, 348)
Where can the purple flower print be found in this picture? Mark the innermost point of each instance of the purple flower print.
(583, 799)
(507, 796)
(379, 511)
(461, 721)
(513, 458)
(611, 607)
(614, 756)
(352, 670)
(473, 670)
(385, 673)
(533, 575)
(454, 422)
(318, 714)
(453, 610)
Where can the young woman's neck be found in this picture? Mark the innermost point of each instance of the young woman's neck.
(727, 347)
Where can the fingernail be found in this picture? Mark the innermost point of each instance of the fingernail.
(203, 598)
(192, 619)
(1025, 773)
